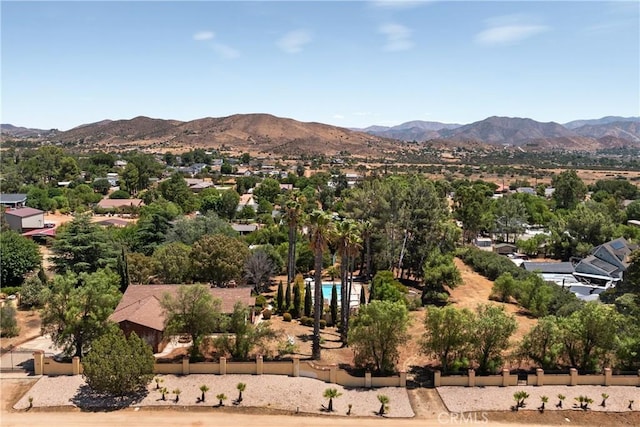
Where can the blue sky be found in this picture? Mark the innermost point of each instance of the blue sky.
(351, 64)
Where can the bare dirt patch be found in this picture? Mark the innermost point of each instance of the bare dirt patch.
(29, 323)
(475, 289)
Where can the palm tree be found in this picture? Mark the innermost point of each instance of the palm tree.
(241, 387)
(331, 393)
(384, 404)
(158, 381)
(605, 396)
(203, 389)
(177, 393)
(319, 229)
(163, 391)
(561, 398)
(544, 400)
(344, 236)
(292, 215)
(221, 397)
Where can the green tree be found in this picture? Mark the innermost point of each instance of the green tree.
(77, 308)
(8, 322)
(439, 271)
(83, 246)
(490, 336)
(280, 298)
(542, 344)
(292, 214)
(173, 263)
(189, 230)
(245, 336)
(30, 292)
(101, 186)
(308, 300)
(569, 189)
(176, 190)
(130, 179)
(118, 365)
(297, 300)
(193, 311)
(319, 231)
(219, 258)
(268, 190)
(141, 268)
(287, 298)
(19, 256)
(385, 287)
(447, 334)
(589, 335)
(68, 170)
(376, 333)
(511, 216)
(334, 305)
(504, 287)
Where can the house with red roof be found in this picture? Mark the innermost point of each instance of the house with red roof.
(140, 309)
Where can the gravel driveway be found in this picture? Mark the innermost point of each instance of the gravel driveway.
(270, 391)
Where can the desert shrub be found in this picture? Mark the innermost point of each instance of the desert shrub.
(8, 322)
(287, 317)
(261, 301)
(323, 323)
(266, 314)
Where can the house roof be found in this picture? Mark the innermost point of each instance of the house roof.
(244, 228)
(119, 203)
(41, 232)
(140, 304)
(114, 222)
(24, 212)
(548, 267)
(12, 198)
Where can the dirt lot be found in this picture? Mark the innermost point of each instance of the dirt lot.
(29, 324)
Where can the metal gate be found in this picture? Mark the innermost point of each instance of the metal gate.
(17, 360)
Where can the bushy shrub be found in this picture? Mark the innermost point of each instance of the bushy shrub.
(323, 323)
(286, 317)
(261, 301)
(8, 323)
(306, 321)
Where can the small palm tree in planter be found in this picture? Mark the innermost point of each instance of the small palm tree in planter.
(163, 391)
(203, 389)
(384, 404)
(349, 406)
(30, 402)
(561, 398)
(177, 393)
(221, 398)
(605, 396)
(241, 387)
(630, 407)
(158, 381)
(520, 397)
(331, 393)
(544, 400)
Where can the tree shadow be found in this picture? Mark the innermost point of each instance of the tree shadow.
(88, 399)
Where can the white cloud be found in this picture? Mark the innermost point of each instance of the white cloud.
(225, 51)
(204, 35)
(508, 30)
(294, 41)
(338, 116)
(398, 37)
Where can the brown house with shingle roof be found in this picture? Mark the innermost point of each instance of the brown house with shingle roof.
(140, 310)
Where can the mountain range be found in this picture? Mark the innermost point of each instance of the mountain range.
(264, 133)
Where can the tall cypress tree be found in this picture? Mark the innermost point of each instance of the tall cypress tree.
(334, 305)
(308, 301)
(297, 300)
(363, 298)
(287, 298)
(280, 298)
